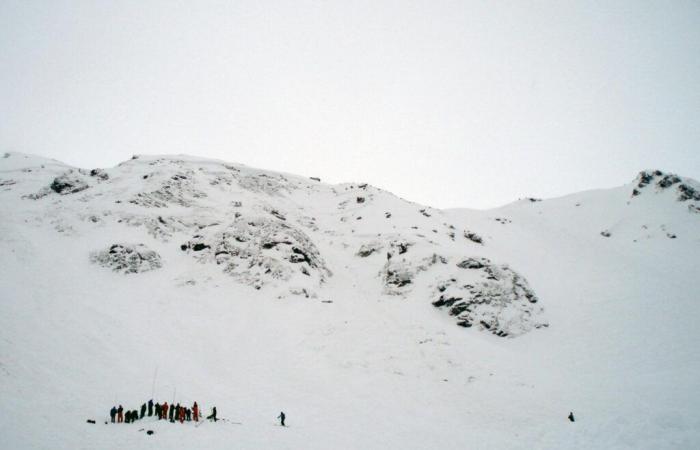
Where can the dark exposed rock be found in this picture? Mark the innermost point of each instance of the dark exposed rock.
(68, 183)
(398, 278)
(367, 249)
(473, 263)
(315, 178)
(278, 214)
(360, 199)
(668, 181)
(128, 258)
(424, 212)
(605, 233)
(686, 192)
(299, 256)
(99, 173)
(473, 237)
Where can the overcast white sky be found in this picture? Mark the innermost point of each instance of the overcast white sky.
(447, 103)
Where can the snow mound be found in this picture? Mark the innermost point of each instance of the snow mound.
(128, 258)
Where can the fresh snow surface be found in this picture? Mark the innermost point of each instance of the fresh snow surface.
(186, 279)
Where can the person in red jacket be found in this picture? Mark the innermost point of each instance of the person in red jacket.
(181, 414)
(195, 412)
(164, 410)
(120, 414)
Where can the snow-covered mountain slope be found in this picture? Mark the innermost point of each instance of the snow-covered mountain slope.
(373, 322)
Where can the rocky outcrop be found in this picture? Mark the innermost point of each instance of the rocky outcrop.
(68, 183)
(685, 189)
(127, 258)
(258, 251)
(491, 297)
(473, 237)
(179, 189)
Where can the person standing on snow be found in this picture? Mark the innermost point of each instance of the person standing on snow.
(164, 410)
(150, 407)
(143, 411)
(212, 416)
(281, 418)
(195, 411)
(188, 414)
(113, 413)
(158, 413)
(120, 414)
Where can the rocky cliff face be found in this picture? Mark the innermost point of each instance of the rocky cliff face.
(279, 233)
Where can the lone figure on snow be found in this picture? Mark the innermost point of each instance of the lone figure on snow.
(281, 418)
(212, 416)
(571, 416)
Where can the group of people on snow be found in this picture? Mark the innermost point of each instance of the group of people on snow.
(172, 413)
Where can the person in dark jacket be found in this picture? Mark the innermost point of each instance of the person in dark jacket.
(113, 413)
(134, 415)
(188, 414)
(120, 414)
(150, 407)
(212, 416)
(127, 417)
(571, 416)
(171, 412)
(143, 411)
(158, 413)
(281, 417)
